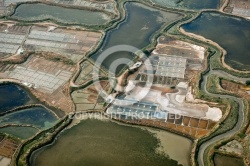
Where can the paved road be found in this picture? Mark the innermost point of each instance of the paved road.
(240, 122)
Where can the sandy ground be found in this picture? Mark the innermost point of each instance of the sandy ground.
(180, 98)
(214, 113)
(175, 102)
(200, 51)
(232, 147)
(190, 98)
(4, 161)
(183, 85)
(225, 4)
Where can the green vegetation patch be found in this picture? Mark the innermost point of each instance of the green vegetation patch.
(20, 132)
(95, 142)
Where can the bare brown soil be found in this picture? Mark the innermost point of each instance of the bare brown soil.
(92, 98)
(194, 122)
(203, 124)
(186, 121)
(59, 99)
(235, 88)
(201, 133)
(8, 147)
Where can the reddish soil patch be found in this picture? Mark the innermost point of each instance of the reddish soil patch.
(92, 98)
(194, 122)
(193, 131)
(92, 90)
(203, 124)
(201, 132)
(186, 121)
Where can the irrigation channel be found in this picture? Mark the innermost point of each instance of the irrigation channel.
(240, 120)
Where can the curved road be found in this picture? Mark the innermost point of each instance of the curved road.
(240, 121)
